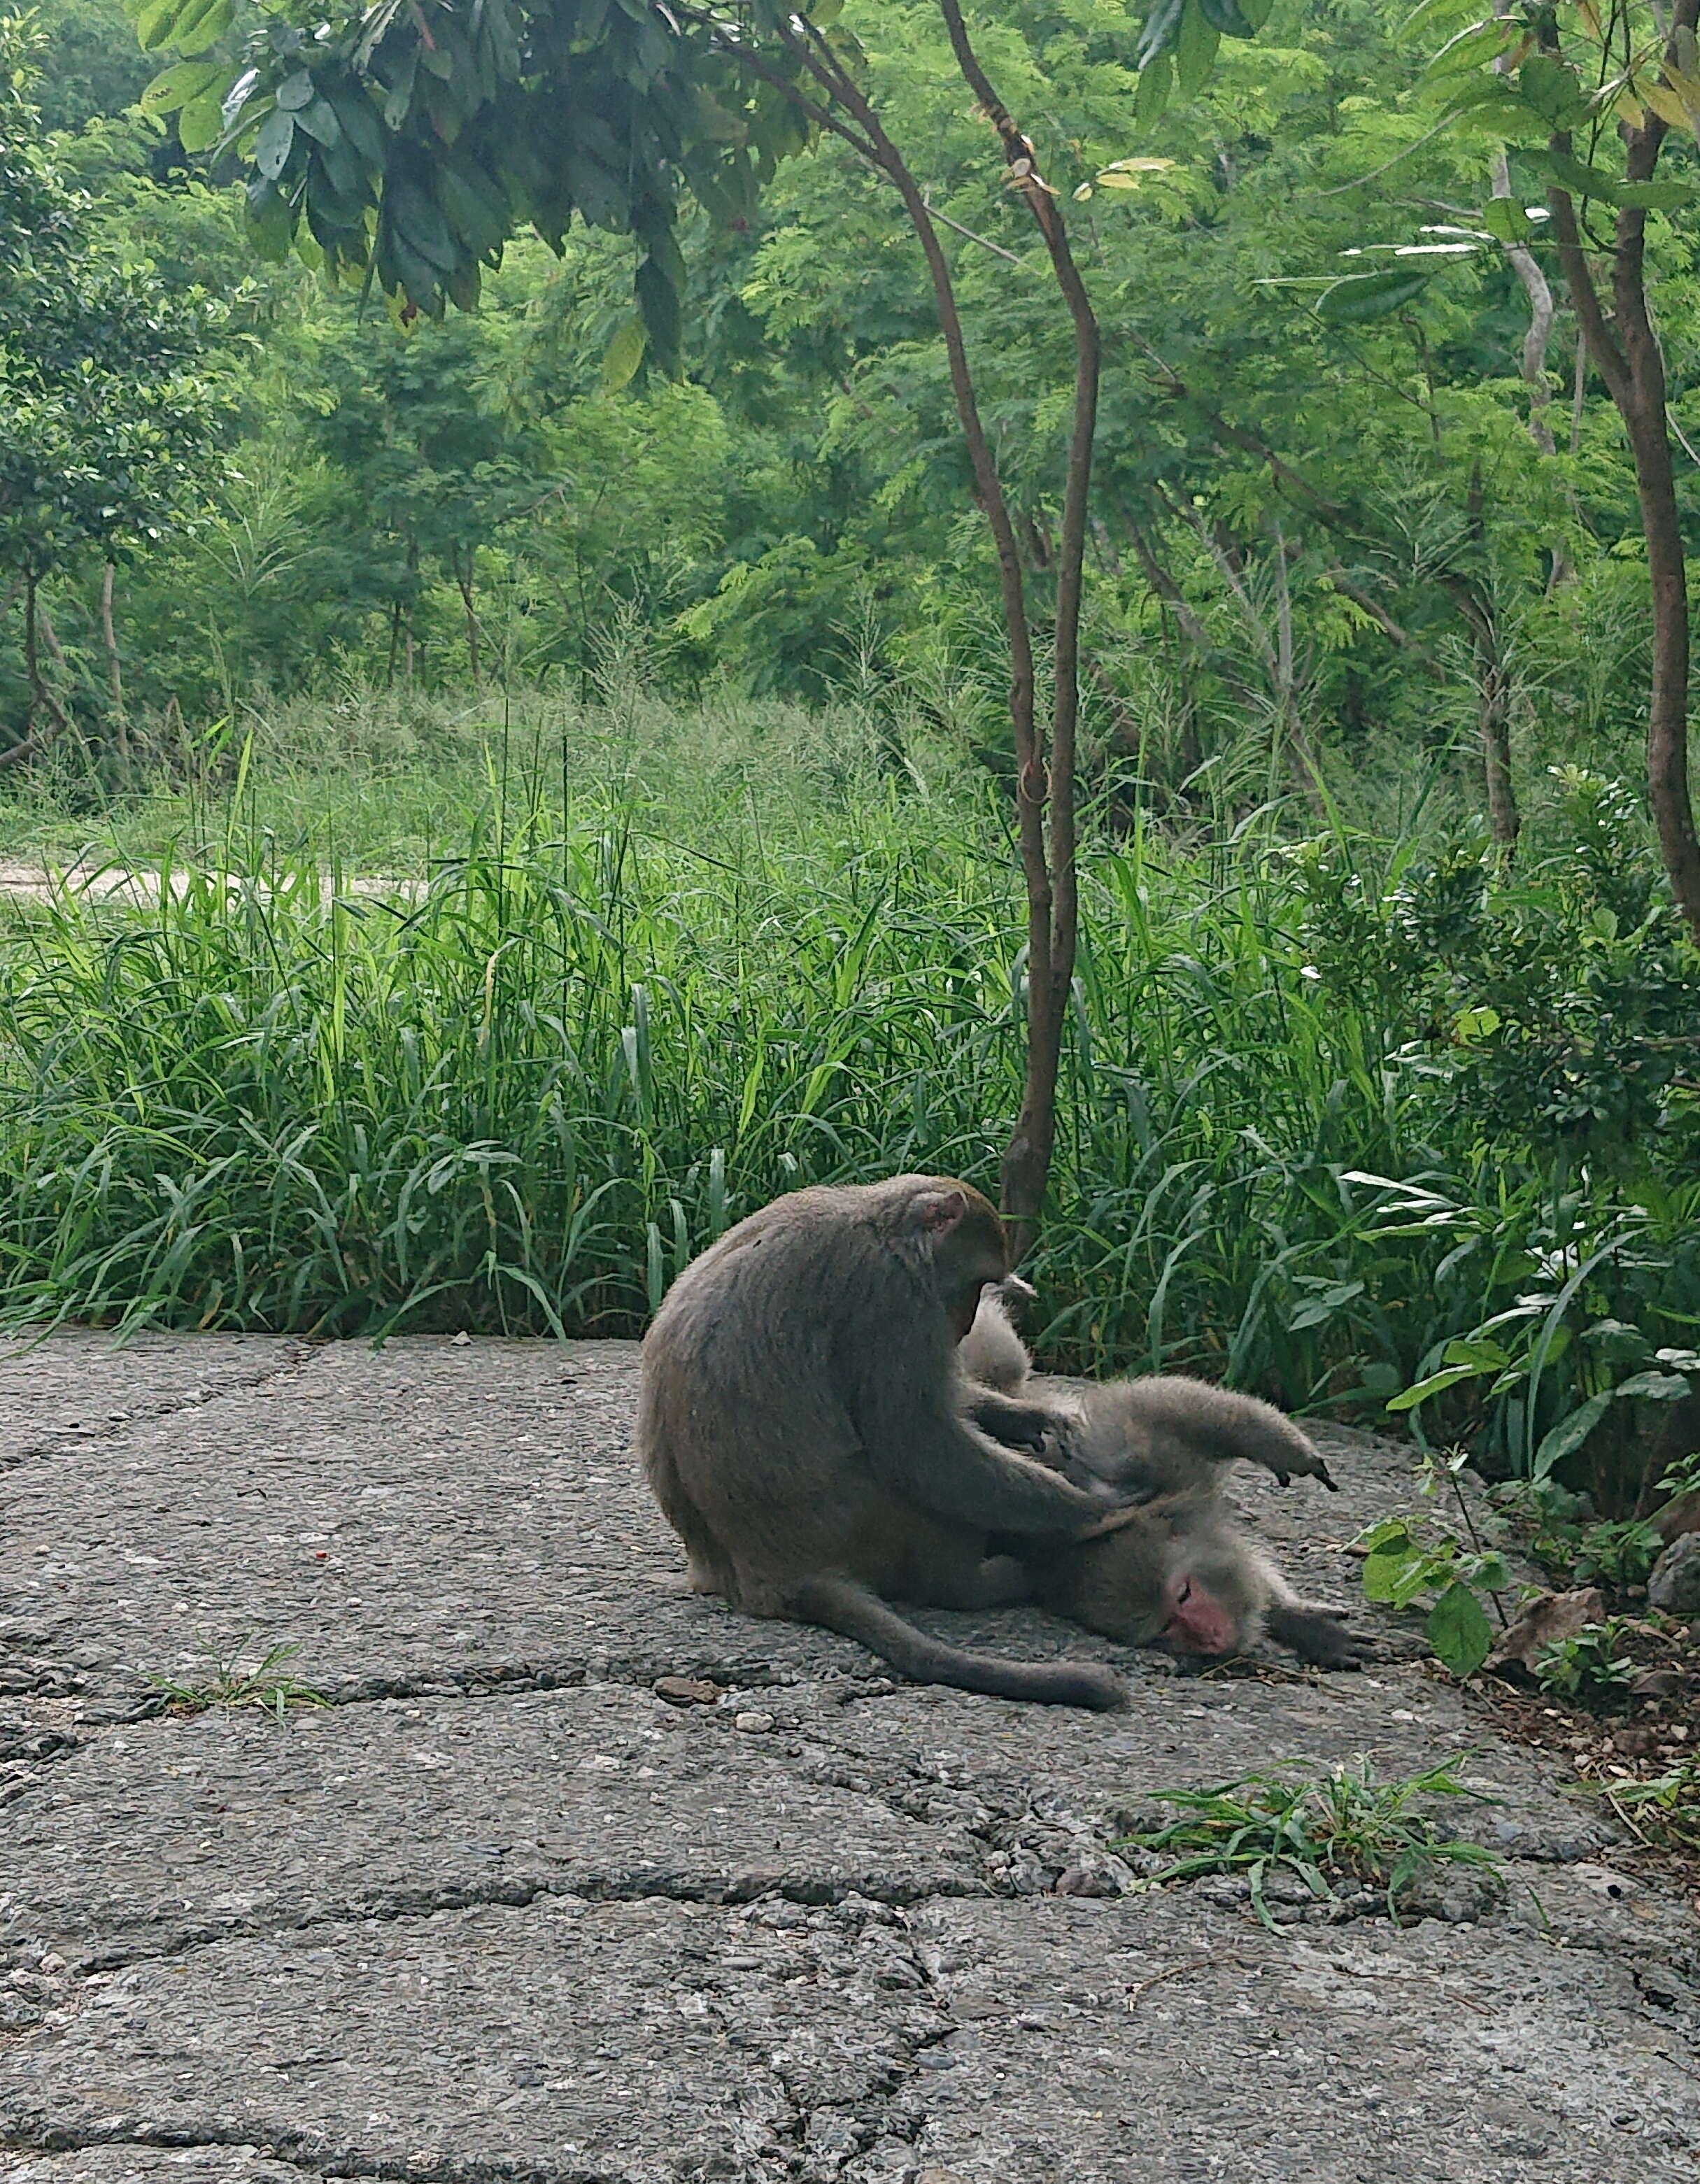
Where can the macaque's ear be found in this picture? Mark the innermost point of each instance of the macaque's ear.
(937, 1212)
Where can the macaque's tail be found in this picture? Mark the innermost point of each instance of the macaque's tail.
(838, 1604)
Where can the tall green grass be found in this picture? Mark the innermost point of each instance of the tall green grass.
(521, 1097)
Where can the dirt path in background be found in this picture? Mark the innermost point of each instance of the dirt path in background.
(500, 1911)
(112, 883)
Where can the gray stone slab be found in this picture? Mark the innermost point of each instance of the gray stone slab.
(631, 2041)
(488, 1918)
(79, 1386)
(172, 1832)
(1097, 2043)
(1103, 1770)
(134, 2164)
(433, 1515)
(166, 1832)
(425, 1517)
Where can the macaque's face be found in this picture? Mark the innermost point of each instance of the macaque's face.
(1198, 1621)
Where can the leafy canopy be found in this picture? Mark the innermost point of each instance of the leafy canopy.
(409, 140)
(106, 414)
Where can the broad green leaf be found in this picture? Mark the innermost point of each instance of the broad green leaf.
(1383, 1537)
(1666, 104)
(1504, 218)
(1435, 1383)
(295, 91)
(1195, 49)
(418, 221)
(1323, 1306)
(658, 300)
(1382, 1576)
(239, 97)
(1554, 90)
(714, 122)
(1163, 26)
(361, 123)
(273, 145)
(154, 24)
(1469, 50)
(1568, 1434)
(202, 122)
(181, 85)
(319, 121)
(1656, 197)
(201, 24)
(1460, 1634)
(1571, 174)
(1360, 296)
(1157, 80)
(1653, 1387)
(1226, 17)
(474, 207)
(1482, 1356)
(1482, 1021)
(269, 221)
(623, 355)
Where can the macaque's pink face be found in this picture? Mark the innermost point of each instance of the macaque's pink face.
(1198, 1622)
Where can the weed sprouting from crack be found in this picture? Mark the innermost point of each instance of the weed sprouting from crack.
(227, 1684)
(1321, 1828)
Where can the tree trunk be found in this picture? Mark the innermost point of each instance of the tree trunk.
(1667, 721)
(1026, 1165)
(1493, 717)
(1043, 780)
(463, 578)
(1625, 352)
(115, 670)
(33, 739)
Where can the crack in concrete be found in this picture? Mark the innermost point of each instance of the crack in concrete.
(73, 1439)
(730, 1892)
(308, 2152)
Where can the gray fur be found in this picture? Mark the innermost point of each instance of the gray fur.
(1162, 1440)
(800, 1423)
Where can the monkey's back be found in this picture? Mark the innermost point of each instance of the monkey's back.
(746, 1416)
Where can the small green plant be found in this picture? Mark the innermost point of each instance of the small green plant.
(1617, 1554)
(1587, 1665)
(228, 1684)
(1683, 1476)
(1323, 1829)
(1405, 1560)
(1664, 1812)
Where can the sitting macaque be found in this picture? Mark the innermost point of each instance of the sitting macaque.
(801, 1421)
(1173, 1569)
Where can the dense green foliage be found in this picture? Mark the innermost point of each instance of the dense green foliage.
(521, 1096)
(104, 421)
(1308, 528)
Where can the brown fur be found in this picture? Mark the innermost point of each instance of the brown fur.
(800, 1423)
(1174, 1569)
